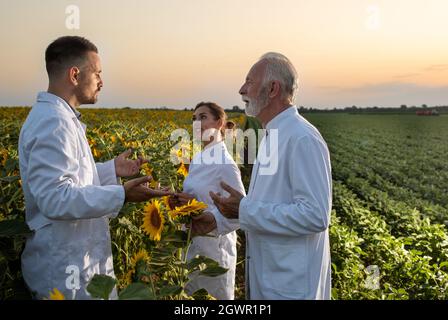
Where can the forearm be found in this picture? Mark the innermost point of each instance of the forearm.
(293, 219)
(71, 203)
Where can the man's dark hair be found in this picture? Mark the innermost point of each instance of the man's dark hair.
(66, 51)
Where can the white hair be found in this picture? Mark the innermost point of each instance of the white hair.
(279, 68)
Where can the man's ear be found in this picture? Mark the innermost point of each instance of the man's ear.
(74, 75)
(274, 89)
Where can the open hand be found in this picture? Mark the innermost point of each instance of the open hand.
(228, 207)
(137, 190)
(125, 167)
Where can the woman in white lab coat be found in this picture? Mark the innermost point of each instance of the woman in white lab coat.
(207, 169)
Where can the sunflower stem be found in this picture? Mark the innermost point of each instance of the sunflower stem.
(188, 244)
(152, 285)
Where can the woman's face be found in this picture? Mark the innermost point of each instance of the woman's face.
(207, 120)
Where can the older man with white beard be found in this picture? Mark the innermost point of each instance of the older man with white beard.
(286, 212)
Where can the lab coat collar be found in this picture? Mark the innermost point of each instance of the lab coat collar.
(275, 122)
(54, 99)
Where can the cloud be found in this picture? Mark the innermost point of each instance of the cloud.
(391, 87)
(407, 75)
(392, 93)
(394, 87)
(437, 67)
(429, 69)
(331, 88)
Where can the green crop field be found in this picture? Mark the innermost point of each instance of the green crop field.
(388, 235)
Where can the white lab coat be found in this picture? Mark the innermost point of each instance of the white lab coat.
(68, 199)
(286, 215)
(207, 169)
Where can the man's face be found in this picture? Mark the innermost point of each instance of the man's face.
(253, 93)
(89, 80)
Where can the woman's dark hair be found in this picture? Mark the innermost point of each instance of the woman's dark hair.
(218, 113)
(66, 51)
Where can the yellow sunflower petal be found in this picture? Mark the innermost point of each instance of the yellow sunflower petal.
(142, 255)
(147, 168)
(182, 170)
(191, 207)
(153, 220)
(56, 295)
(128, 277)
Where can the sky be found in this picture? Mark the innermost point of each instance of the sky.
(176, 53)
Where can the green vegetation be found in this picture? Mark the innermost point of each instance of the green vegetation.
(389, 236)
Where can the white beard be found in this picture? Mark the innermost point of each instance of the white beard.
(256, 105)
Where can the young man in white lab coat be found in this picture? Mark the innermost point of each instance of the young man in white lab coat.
(286, 213)
(69, 199)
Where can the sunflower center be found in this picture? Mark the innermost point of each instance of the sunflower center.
(155, 219)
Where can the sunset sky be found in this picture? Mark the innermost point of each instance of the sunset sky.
(176, 53)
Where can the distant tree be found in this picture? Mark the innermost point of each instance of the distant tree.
(424, 106)
(403, 107)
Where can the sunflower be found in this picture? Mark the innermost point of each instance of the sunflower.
(177, 154)
(166, 202)
(193, 207)
(182, 170)
(56, 295)
(127, 280)
(4, 155)
(153, 220)
(154, 184)
(92, 142)
(147, 168)
(148, 172)
(97, 153)
(142, 255)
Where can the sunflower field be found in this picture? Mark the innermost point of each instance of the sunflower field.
(388, 233)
